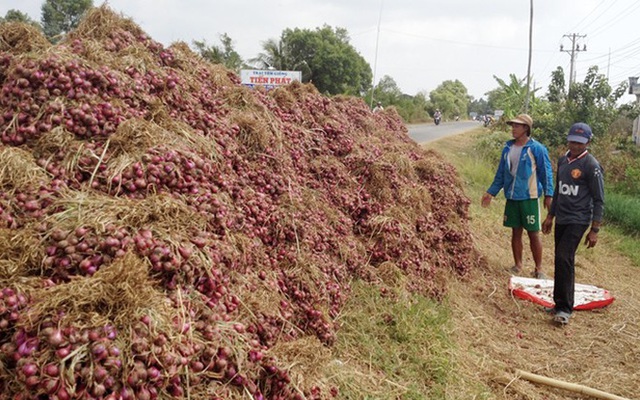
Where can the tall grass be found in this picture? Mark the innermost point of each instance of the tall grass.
(624, 211)
(401, 342)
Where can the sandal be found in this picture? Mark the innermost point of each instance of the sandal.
(540, 275)
(515, 270)
(561, 318)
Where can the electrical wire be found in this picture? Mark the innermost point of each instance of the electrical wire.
(575, 28)
(621, 15)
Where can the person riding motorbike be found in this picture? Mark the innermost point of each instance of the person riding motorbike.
(437, 116)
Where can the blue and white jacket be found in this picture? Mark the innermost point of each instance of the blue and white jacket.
(534, 177)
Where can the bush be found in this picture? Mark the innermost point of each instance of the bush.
(490, 147)
(623, 210)
(620, 160)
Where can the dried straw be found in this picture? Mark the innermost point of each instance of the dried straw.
(259, 297)
(20, 254)
(100, 22)
(255, 133)
(21, 38)
(135, 136)
(58, 139)
(18, 170)
(119, 293)
(306, 360)
(167, 216)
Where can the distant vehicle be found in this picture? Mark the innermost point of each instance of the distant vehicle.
(437, 117)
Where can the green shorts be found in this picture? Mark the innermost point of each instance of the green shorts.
(522, 213)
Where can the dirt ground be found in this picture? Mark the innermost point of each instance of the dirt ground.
(499, 335)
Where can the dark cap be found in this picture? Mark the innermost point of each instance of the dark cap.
(579, 132)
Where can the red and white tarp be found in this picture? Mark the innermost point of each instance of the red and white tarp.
(540, 291)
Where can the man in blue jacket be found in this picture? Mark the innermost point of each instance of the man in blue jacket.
(525, 175)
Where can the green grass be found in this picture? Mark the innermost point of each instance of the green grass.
(624, 211)
(625, 243)
(403, 340)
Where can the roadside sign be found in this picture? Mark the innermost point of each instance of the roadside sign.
(268, 78)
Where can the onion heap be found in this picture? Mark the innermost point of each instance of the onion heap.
(164, 230)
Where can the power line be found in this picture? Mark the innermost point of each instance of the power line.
(453, 41)
(622, 14)
(623, 51)
(591, 12)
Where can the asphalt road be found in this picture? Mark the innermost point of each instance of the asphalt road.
(423, 133)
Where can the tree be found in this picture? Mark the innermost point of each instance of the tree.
(510, 96)
(225, 54)
(18, 16)
(556, 92)
(277, 56)
(592, 101)
(61, 16)
(273, 56)
(417, 110)
(451, 98)
(479, 106)
(387, 91)
(324, 56)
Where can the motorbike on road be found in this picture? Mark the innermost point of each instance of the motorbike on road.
(437, 116)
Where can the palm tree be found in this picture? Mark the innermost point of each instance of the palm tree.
(272, 57)
(511, 96)
(276, 55)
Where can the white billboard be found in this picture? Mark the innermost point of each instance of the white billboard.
(268, 78)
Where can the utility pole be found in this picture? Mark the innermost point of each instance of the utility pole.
(634, 88)
(573, 52)
(526, 102)
(375, 61)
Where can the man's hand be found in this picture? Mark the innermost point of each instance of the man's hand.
(486, 200)
(546, 224)
(591, 239)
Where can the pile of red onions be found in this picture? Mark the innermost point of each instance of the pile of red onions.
(290, 196)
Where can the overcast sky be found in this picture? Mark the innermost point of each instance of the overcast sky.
(419, 43)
